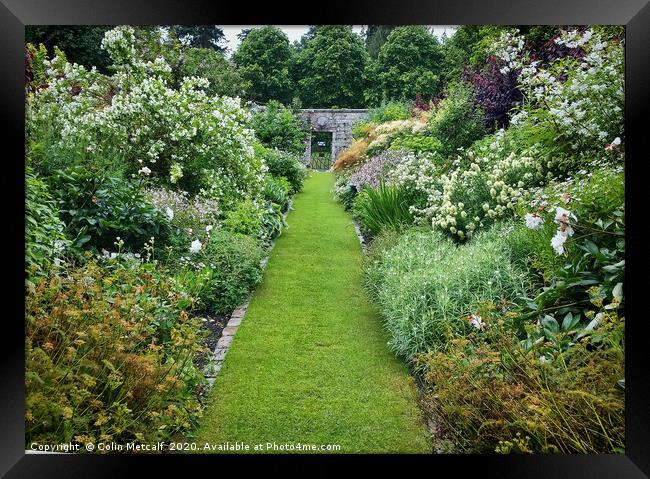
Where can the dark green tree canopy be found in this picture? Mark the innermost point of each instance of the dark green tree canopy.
(80, 43)
(200, 36)
(263, 58)
(408, 64)
(330, 69)
(376, 36)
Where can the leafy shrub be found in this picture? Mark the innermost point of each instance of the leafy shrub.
(389, 111)
(344, 192)
(363, 129)
(384, 207)
(215, 67)
(245, 219)
(283, 164)
(97, 210)
(495, 92)
(236, 260)
(277, 127)
(45, 240)
(457, 123)
(109, 357)
(566, 96)
(587, 281)
(425, 287)
(416, 142)
(276, 190)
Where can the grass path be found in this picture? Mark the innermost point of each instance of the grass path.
(309, 363)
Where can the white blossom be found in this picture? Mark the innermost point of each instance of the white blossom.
(195, 247)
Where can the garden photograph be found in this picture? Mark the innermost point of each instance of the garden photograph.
(324, 239)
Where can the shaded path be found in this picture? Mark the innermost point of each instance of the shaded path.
(309, 363)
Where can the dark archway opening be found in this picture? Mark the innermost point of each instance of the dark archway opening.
(321, 150)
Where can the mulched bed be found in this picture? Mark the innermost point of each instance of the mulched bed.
(213, 325)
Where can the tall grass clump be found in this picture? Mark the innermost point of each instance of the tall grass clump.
(385, 207)
(426, 287)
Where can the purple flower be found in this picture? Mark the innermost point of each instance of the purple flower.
(374, 170)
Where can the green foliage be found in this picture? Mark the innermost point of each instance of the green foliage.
(277, 127)
(235, 258)
(109, 357)
(283, 164)
(81, 43)
(376, 36)
(215, 67)
(390, 111)
(457, 122)
(200, 36)
(426, 287)
(245, 218)
(382, 208)
(96, 210)
(588, 282)
(417, 142)
(409, 63)
(345, 192)
(276, 190)
(457, 50)
(330, 69)
(263, 59)
(45, 240)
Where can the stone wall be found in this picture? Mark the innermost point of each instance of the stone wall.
(339, 122)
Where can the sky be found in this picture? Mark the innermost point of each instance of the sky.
(294, 32)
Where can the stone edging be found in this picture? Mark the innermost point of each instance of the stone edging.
(219, 354)
(362, 240)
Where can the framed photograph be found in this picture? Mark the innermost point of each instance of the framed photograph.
(394, 232)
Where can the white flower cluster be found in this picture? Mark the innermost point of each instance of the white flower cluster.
(582, 98)
(139, 117)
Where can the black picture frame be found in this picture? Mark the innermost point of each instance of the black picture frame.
(635, 14)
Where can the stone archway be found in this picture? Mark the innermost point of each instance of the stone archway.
(338, 122)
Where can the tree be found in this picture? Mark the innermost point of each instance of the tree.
(457, 50)
(200, 36)
(376, 36)
(277, 127)
(224, 78)
(263, 59)
(80, 43)
(408, 64)
(243, 34)
(330, 69)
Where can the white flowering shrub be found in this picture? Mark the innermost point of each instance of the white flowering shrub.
(579, 97)
(134, 119)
